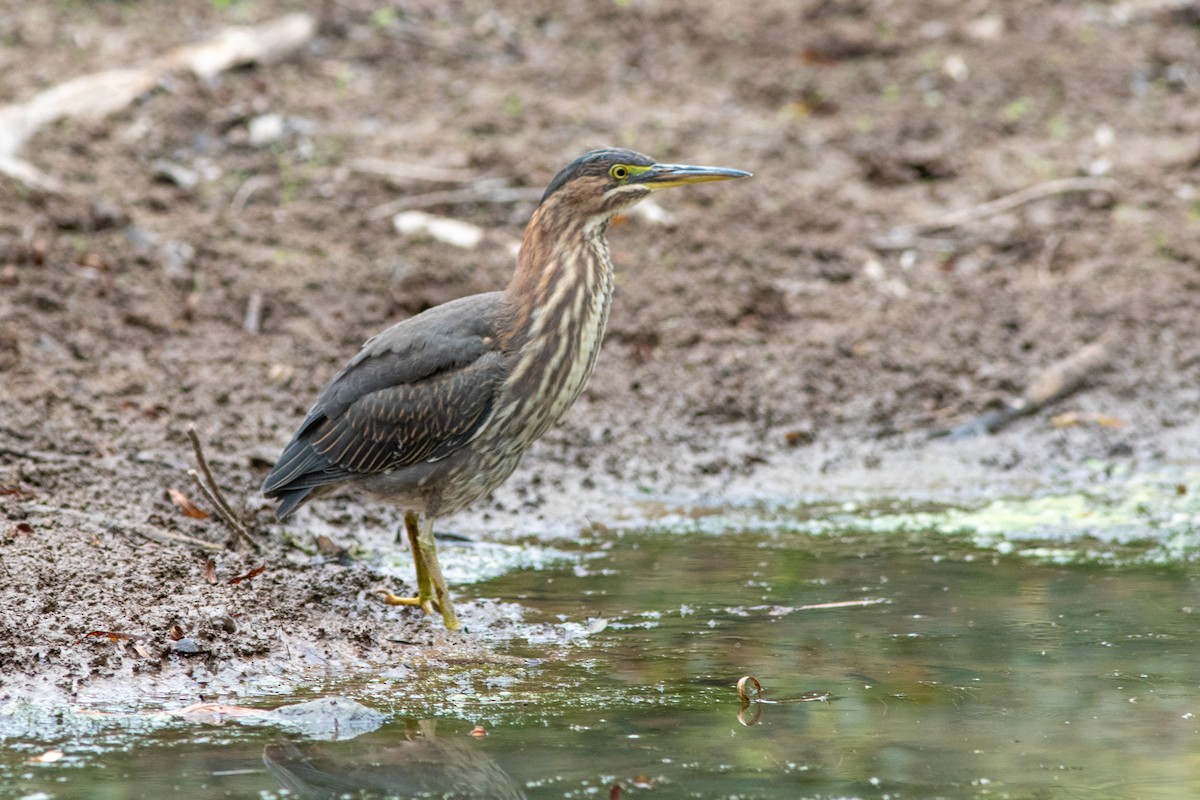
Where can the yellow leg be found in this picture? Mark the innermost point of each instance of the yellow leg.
(424, 599)
(433, 572)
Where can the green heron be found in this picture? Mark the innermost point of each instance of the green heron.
(436, 411)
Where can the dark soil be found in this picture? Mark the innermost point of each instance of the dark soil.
(777, 337)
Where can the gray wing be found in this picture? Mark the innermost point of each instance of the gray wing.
(416, 392)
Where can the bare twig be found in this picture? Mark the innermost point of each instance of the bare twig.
(99, 94)
(242, 196)
(906, 235)
(401, 172)
(1008, 202)
(1068, 374)
(253, 319)
(170, 537)
(22, 171)
(1053, 383)
(473, 194)
(867, 601)
(38, 456)
(106, 522)
(212, 492)
(903, 238)
(265, 43)
(1049, 251)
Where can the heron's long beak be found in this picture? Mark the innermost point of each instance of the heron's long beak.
(663, 176)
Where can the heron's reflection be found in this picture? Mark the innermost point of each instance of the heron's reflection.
(422, 766)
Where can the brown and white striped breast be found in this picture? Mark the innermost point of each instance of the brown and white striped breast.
(558, 348)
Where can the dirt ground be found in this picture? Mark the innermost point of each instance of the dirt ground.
(220, 247)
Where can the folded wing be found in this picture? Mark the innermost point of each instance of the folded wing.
(416, 392)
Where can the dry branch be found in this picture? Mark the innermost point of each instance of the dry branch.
(404, 173)
(251, 185)
(212, 492)
(474, 194)
(99, 94)
(252, 322)
(1053, 383)
(171, 537)
(260, 44)
(907, 235)
(1017, 199)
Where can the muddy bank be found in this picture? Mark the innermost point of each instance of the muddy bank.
(219, 249)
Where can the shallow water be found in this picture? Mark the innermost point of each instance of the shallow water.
(894, 666)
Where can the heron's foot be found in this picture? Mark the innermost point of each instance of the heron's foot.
(426, 604)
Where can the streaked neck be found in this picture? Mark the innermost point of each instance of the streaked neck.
(561, 266)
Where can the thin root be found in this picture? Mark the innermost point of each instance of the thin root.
(212, 492)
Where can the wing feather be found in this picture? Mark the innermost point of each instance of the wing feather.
(416, 392)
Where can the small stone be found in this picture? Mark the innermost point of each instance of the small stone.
(170, 172)
(187, 646)
(266, 129)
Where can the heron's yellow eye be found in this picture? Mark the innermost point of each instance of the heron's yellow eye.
(619, 172)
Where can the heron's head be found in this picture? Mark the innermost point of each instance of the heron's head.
(601, 183)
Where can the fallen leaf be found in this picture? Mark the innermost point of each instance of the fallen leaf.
(754, 717)
(744, 693)
(1067, 420)
(818, 58)
(154, 410)
(112, 636)
(745, 698)
(1071, 419)
(23, 527)
(797, 437)
(210, 570)
(252, 573)
(93, 260)
(328, 547)
(185, 505)
(141, 650)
